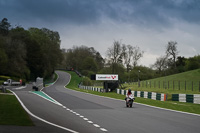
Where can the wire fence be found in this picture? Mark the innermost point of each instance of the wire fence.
(167, 84)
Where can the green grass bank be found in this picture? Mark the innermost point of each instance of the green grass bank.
(182, 83)
(12, 113)
(186, 107)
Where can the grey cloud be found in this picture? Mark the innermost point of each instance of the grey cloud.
(141, 12)
(69, 11)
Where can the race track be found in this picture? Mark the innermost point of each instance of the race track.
(86, 113)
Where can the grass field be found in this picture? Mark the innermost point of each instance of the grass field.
(185, 83)
(12, 113)
(186, 107)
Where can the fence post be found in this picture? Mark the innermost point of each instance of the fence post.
(168, 84)
(199, 86)
(192, 85)
(146, 84)
(163, 85)
(185, 85)
(150, 83)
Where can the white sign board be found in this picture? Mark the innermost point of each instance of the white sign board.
(106, 77)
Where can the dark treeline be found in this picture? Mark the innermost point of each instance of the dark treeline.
(35, 52)
(123, 59)
(30, 53)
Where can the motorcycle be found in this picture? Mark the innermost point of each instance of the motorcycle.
(129, 101)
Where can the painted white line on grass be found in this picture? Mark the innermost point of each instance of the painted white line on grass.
(64, 128)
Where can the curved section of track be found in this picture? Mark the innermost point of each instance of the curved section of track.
(86, 113)
(115, 117)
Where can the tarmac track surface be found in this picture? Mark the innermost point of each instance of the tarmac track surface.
(100, 114)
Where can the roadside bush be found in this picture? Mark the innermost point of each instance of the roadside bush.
(4, 77)
(87, 81)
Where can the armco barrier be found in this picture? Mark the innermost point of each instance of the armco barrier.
(91, 88)
(144, 94)
(189, 98)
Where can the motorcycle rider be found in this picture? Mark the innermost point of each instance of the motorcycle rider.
(129, 96)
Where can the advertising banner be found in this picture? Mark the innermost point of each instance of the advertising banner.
(106, 77)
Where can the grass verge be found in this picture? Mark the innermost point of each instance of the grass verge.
(186, 107)
(50, 80)
(12, 113)
(181, 83)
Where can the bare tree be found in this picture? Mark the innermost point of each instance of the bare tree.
(128, 54)
(161, 63)
(115, 54)
(171, 50)
(124, 55)
(137, 54)
(115, 51)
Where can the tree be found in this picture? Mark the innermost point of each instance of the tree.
(84, 58)
(4, 26)
(48, 45)
(193, 63)
(161, 63)
(115, 54)
(89, 64)
(171, 50)
(128, 53)
(137, 54)
(180, 63)
(3, 56)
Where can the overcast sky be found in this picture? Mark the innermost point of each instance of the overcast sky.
(149, 24)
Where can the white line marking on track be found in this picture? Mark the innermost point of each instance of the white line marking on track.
(64, 128)
(96, 125)
(90, 122)
(86, 119)
(53, 99)
(103, 129)
(140, 104)
(57, 103)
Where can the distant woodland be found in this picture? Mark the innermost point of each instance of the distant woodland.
(35, 52)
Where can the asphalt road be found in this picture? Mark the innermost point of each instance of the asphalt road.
(86, 113)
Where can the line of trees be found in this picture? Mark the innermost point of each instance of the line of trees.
(36, 52)
(123, 59)
(171, 63)
(30, 53)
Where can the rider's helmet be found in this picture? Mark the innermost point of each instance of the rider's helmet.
(129, 90)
